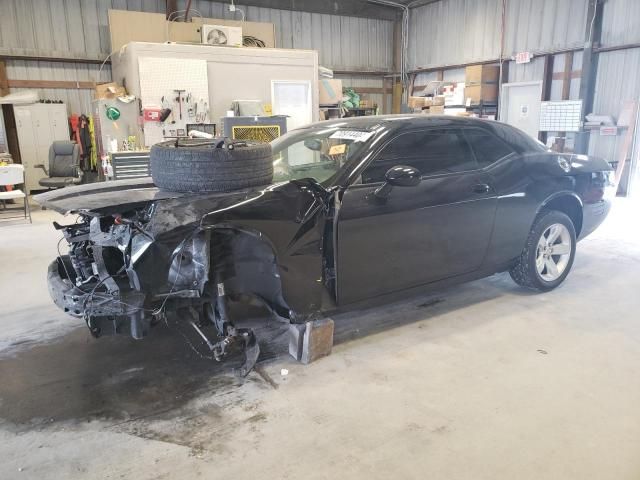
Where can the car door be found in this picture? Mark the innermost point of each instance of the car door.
(416, 235)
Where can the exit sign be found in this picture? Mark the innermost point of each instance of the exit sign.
(523, 57)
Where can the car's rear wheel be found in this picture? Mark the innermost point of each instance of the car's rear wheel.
(548, 254)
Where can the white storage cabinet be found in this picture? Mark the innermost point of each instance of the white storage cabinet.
(38, 126)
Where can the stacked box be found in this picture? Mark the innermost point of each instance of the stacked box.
(481, 84)
(330, 91)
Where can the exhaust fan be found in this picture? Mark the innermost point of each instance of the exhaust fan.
(221, 35)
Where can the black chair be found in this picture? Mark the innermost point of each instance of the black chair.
(64, 165)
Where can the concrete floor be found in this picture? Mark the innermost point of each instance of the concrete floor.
(483, 381)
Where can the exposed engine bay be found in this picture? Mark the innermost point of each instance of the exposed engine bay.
(121, 279)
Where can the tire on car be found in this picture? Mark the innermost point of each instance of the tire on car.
(548, 254)
(210, 165)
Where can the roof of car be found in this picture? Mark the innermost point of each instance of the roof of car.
(520, 140)
(416, 119)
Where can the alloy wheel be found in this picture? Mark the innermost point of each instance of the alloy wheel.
(553, 252)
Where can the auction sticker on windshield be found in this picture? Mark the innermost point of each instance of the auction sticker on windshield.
(338, 149)
(353, 135)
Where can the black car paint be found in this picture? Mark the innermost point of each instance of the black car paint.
(337, 244)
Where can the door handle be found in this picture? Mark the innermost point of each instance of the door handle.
(481, 188)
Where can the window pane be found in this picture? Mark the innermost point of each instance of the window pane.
(315, 153)
(488, 149)
(432, 152)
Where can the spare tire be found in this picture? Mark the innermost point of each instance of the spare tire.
(217, 165)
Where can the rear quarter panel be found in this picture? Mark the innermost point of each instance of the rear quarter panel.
(526, 183)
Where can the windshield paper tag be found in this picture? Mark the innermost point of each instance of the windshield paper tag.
(354, 135)
(338, 149)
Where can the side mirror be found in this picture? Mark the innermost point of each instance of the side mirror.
(398, 176)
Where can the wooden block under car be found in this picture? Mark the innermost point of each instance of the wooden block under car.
(317, 340)
(296, 335)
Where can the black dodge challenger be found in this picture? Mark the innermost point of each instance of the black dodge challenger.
(354, 209)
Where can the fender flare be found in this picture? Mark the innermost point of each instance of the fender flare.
(562, 193)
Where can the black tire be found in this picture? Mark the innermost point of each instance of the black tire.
(524, 272)
(210, 165)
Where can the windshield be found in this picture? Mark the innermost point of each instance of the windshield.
(315, 153)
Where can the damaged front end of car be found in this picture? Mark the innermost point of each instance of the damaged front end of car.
(121, 279)
(139, 256)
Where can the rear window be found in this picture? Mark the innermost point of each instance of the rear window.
(431, 151)
(488, 148)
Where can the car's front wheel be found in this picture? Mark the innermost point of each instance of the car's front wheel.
(548, 254)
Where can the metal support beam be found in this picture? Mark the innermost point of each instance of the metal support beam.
(4, 82)
(593, 34)
(547, 79)
(65, 84)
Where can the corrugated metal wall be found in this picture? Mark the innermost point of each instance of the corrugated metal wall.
(77, 100)
(79, 28)
(343, 43)
(621, 22)
(544, 25)
(618, 81)
(451, 32)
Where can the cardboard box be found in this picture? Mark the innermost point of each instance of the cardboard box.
(330, 91)
(437, 101)
(367, 103)
(481, 74)
(418, 103)
(475, 94)
(109, 91)
(455, 111)
(454, 94)
(436, 110)
(415, 102)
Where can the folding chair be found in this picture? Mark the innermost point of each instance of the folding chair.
(13, 175)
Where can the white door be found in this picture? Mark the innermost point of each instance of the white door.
(520, 106)
(28, 148)
(58, 121)
(292, 98)
(44, 138)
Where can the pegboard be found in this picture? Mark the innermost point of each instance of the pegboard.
(159, 77)
(564, 116)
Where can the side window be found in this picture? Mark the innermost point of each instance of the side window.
(431, 151)
(488, 149)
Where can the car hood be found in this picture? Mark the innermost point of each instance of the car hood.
(105, 198)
